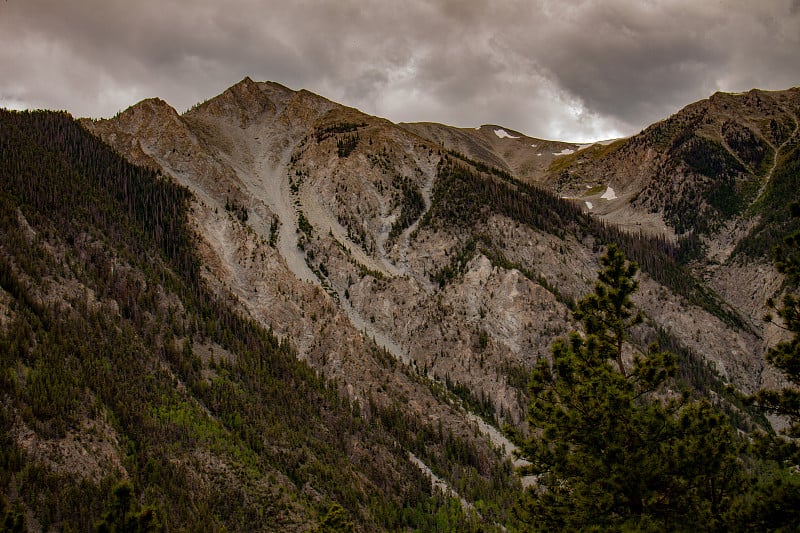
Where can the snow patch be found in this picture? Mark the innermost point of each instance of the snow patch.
(539, 154)
(503, 134)
(565, 151)
(533, 146)
(582, 146)
(609, 194)
(589, 205)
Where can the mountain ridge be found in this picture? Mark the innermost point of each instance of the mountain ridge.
(424, 269)
(350, 228)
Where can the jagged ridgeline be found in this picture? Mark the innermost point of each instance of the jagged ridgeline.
(467, 192)
(118, 362)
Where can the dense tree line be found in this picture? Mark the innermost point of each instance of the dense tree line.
(323, 132)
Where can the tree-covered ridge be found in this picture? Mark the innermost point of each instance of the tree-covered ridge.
(57, 173)
(703, 166)
(216, 424)
(706, 178)
(723, 149)
(774, 208)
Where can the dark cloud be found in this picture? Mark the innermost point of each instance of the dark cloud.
(562, 69)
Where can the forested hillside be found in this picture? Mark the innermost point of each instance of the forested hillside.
(119, 365)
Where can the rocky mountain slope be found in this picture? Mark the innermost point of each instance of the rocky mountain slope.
(346, 201)
(424, 269)
(122, 357)
(698, 170)
(723, 170)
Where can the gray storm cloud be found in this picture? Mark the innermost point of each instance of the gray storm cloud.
(572, 70)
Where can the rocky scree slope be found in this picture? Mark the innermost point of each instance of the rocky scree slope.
(348, 235)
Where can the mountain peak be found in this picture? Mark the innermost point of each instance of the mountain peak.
(147, 111)
(246, 100)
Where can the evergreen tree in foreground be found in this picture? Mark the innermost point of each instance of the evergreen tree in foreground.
(612, 447)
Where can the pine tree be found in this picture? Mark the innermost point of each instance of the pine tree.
(612, 447)
(608, 312)
(122, 517)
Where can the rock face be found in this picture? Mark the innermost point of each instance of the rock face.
(318, 218)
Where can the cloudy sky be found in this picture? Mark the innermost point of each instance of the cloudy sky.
(560, 69)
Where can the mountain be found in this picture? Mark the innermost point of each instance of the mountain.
(122, 360)
(705, 169)
(346, 200)
(338, 312)
(723, 170)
